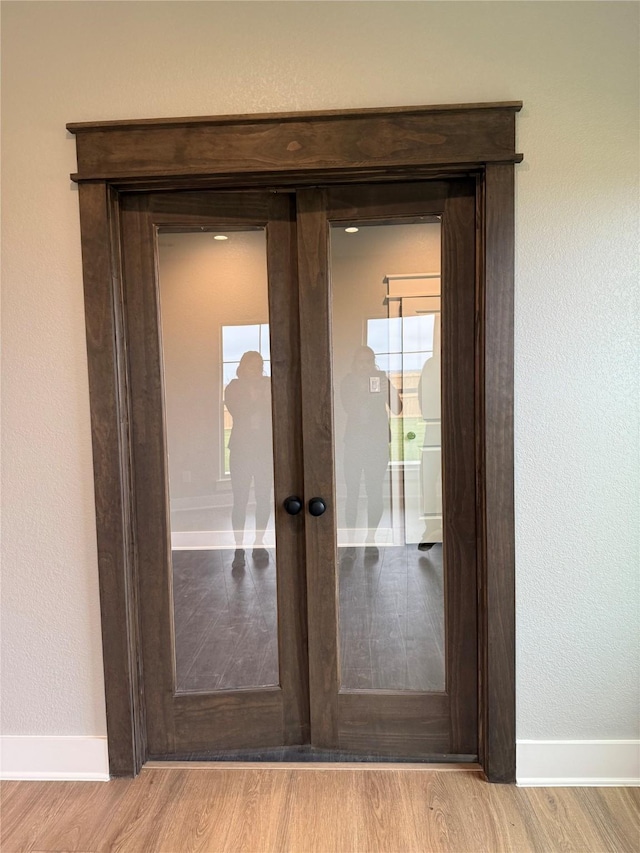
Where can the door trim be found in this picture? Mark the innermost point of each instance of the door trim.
(300, 149)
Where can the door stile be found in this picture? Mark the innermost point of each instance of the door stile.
(459, 463)
(317, 420)
(288, 467)
(149, 454)
(149, 504)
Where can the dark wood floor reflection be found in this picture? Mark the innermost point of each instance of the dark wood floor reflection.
(391, 617)
(225, 621)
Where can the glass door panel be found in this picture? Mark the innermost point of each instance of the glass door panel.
(215, 336)
(391, 611)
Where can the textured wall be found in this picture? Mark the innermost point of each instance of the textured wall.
(575, 65)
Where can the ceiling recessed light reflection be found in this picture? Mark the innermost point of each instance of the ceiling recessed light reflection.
(220, 237)
(352, 229)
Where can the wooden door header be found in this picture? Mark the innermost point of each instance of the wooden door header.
(295, 147)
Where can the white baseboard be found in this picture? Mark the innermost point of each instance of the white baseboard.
(577, 762)
(48, 758)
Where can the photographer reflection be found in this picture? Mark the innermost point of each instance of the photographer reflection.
(248, 400)
(367, 397)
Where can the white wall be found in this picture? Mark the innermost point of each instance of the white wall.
(575, 66)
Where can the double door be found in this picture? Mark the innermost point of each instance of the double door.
(302, 369)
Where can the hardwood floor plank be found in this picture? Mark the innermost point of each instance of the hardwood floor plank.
(606, 808)
(34, 807)
(446, 824)
(285, 809)
(88, 810)
(315, 815)
(138, 823)
(518, 821)
(387, 823)
(199, 817)
(559, 823)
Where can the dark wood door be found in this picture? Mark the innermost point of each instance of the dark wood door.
(353, 629)
(388, 333)
(212, 330)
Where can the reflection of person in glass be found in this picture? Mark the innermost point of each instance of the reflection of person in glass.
(248, 400)
(367, 396)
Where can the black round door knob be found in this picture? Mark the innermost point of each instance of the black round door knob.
(317, 506)
(293, 505)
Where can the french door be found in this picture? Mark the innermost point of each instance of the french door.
(302, 369)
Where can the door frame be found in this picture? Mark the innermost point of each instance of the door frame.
(297, 150)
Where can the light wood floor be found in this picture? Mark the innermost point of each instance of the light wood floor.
(308, 809)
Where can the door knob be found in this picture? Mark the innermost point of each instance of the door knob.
(293, 505)
(317, 506)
